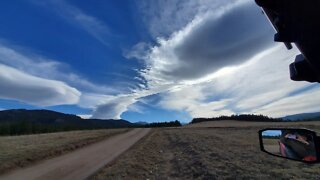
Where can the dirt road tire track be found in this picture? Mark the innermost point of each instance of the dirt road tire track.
(81, 163)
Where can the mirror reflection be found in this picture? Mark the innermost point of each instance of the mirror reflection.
(293, 144)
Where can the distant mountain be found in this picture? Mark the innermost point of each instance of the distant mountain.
(39, 116)
(52, 117)
(21, 121)
(303, 116)
(141, 123)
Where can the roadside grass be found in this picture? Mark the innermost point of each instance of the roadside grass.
(204, 153)
(271, 141)
(20, 151)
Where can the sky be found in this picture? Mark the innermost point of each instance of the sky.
(272, 133)
(146, 60)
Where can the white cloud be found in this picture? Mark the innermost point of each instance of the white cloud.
(305, 102)
(50, 77)
(31, 63)
(260, 86)
(113, 107)
(20, 86)
(215, 63)
(138, 51)
(164, 17)
(91, 100)
(85, 116)
(192, 99)
(226, 37)
(96, 28)
(34, 64)
(212, 58)
(168, 65)
(221, 63)
(215, 58)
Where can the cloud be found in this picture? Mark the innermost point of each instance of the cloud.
(57, 81)
(191, 99)
(223, 62)
(91, 100)
(260, 86)
(31, 63)
(211, 58)
(113, 107)
(109, 106)
(220, 63)
(305, 102)
(225, 34)
(96, 28)
(164, 17)
(84, 116)
(217, 60)
(20, 86)
(139, 51)
(263, 80)
(34, 64)
(226, 37)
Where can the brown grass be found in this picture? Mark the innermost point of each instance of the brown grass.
(205, 152)
(19, 151)
(232, 123)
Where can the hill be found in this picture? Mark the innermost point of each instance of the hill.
(303, 116)
(21, 121)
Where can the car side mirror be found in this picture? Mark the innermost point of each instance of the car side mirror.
(295, 144)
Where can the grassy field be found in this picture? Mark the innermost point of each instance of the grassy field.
(19, 151)
(272, 146)
(228, 150)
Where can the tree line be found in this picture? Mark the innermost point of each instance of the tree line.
(27, 127)
(175, 123)
(241, 117)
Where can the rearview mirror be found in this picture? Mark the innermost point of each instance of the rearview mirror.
(295, 144)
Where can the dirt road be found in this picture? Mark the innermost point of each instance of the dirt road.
(81, 163)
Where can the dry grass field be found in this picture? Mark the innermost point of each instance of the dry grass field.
(272, 146)
(210, 150)
(19, 151)
(232, 123)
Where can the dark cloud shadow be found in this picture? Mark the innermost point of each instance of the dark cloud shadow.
(219, 42)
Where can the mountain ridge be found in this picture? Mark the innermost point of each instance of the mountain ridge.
(302, 116)
(22, 121)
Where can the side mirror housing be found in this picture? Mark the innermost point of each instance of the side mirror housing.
(295, 144)
(300, 70)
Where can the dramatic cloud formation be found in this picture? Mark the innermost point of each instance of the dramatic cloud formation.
(202, 58)
(200, 48)
(20, 86)
(259, 86)
(215, 40)
(220, 63)
(53, 79)
(29, 79)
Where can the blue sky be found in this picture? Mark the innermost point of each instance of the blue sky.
(146, 60)
(272, 133)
